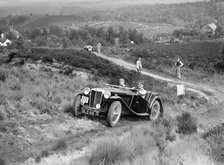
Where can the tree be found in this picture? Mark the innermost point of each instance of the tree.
(110, 35)
(73, 35)
(101, 33)
(84, 34)
(35, 33)
(123, 36)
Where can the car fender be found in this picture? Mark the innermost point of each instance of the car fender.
(117, 98)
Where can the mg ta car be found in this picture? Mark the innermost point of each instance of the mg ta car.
(112, 101)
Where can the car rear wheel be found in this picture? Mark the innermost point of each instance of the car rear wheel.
(76, 105)
(155, 110)
(114, 113)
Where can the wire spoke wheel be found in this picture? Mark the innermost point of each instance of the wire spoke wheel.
(114, 113)
(155, 110)
(76, 105)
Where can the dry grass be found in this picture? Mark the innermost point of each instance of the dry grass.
(186, 123)
(215, 139)
(190, 150)
(30, 99)
(140, 145)
(60, 145)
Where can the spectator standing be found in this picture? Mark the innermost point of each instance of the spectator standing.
(98, 47)
(139, 65)
(178, 65)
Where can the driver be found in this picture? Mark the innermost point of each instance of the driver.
(122, 82)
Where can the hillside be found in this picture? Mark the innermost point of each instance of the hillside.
(37, 127)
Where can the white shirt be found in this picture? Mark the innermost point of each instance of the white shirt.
(139, 64)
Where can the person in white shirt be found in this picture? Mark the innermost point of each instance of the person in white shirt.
(141, 89)
(178, 65)
(139, 65)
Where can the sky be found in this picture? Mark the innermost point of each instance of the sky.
(21, 2)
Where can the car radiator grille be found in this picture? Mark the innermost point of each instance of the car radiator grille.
(95, 98)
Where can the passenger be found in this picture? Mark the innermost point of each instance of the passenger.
(141, 89)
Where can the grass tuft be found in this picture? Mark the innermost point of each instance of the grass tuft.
(60, 145)
(186, 124)
(215, 139)
(3, 76)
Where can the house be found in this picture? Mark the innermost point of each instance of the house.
(14, 34)
(209, 28)
(5, 42)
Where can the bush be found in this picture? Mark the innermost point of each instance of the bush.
(3, 76)
(60, 145)
(186, 124)
(3, 162)
(215, 139)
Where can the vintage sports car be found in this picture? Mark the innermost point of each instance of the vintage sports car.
(111, 101)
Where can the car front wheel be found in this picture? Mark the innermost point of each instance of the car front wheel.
(114, 113)
(76, 105)
(155, 110)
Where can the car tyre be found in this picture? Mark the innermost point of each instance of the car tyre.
(76, 105)
(114, 113)
(155, 110)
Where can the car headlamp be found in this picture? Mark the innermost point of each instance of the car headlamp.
(106, 94)
(97, 106)
(86, 91)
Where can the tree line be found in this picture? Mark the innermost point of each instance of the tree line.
(57, 36)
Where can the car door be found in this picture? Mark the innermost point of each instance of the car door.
(139, 105)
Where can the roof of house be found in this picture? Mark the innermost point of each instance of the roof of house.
(14, 32)
(2, 40)
(211, 25)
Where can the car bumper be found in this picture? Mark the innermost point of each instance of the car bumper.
(90, 111)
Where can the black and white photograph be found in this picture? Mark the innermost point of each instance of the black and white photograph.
(111, 82)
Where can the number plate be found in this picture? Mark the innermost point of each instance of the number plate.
(84, 99)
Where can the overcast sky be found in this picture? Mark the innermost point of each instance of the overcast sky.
(20, 2)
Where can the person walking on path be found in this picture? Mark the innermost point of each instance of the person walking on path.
(178, 65)
(139, 65)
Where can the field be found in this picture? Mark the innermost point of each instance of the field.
(69, 21)
(147, 29)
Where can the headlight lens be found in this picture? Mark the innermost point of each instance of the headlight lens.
(106, 94)
(97, 106)
(86, 91)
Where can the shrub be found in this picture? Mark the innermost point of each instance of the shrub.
(186, 124)
(215, 139)
(44, 153)
(3, 162)
(60, 145)
(3, 76)
(3, 114)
